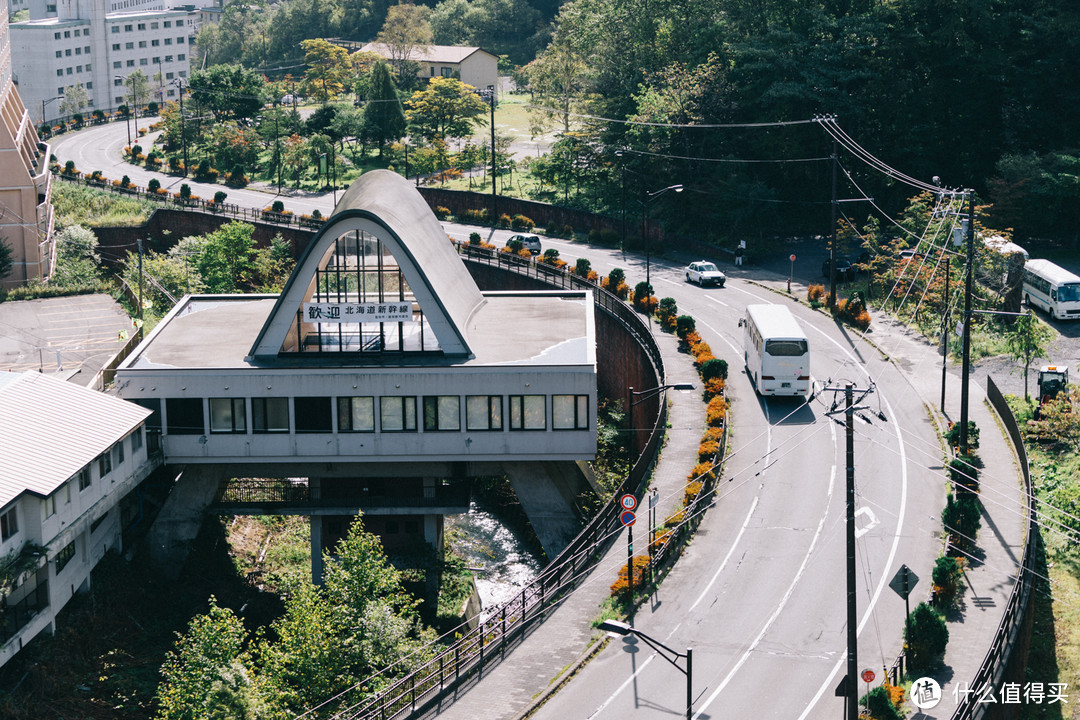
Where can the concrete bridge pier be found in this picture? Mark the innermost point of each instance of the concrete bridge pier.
(177, 524)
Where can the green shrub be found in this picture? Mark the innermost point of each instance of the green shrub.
(684, 325)
(643, 289)
(616, 278)
(153, 185)
(881, 706)
(947, 574)
(219, 196)
(925, 638)
(474, 238)
(125, 182)
(515, 245)
(715, 368)
(962, 517)
(667, 308)
(504, 221)
(442, 212)
(605, 237)
(185, 191)
(277, 206)
(953, 435)
(136, 150)
(520, 222)
(582, 267)
(964, 472)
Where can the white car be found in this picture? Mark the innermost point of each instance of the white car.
(704, 273)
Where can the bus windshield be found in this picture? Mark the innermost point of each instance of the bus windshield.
(1068, 293)
(786, 348)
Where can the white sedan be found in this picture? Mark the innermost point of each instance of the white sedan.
(704, 273)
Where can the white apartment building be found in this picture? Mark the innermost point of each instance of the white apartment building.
(70, 454)
(98, 43)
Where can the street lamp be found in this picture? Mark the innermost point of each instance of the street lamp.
(650, 198)
(617, 627)
(127, 117)
(642, 396)
(46, 102)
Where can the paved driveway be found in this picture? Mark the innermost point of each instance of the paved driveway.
(78, 334)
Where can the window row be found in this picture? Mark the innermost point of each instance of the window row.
(142, 26)
(77, 32)
(433, 413)
(78, 51)
(78, 69)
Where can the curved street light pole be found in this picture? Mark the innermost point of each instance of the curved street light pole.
(620, 628)
(651, 197)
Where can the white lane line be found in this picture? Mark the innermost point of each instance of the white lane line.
(710, 297)
(787, 595)
(621, 687)
(884, 575)
(731, 550)
(765, 300)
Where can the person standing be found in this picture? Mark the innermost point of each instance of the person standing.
(739, 253)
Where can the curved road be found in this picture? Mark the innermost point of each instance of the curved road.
(760, 594)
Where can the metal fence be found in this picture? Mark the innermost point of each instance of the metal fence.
(507, 624)
(992, 671)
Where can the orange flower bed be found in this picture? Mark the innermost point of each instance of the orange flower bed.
(620, 587)
(716, 412)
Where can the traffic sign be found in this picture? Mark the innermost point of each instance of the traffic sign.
(792, 258)
(628, 501)
(868, 676)
(904, 581)
(628, 517)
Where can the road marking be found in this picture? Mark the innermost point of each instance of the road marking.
(787, 595)
(765, 300)
(621, 687)
(871, 523)
(727, 557)
(892, 552)
(710, 297)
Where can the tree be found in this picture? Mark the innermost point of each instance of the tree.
(210, 652)
(295, 155)
(384, 117)
(329, 70)
(1027, 340)
(406, 34)
(227, 262)
(557, 79)
(447, 108)
(230, 92)
(138, 87)
(75, 99)
(7, 258)
(77, 257)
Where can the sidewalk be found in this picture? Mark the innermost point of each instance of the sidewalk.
(549, 653)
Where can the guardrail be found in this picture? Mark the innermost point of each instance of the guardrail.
(992, 671)
(508, 623)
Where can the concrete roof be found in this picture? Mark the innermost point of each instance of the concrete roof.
(52, 429)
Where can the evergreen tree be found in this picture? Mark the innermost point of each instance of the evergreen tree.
(384, 118)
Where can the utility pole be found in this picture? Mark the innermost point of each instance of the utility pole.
(852, 627)
(494, 194)
(968, 283)
(140, 289)
(183, 126)
(832, 231)
(945, 330)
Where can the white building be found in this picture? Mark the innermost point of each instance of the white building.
(68, 457)
(472, 65)
(98, 43)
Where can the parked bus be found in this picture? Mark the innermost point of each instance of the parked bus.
(776, 351)
(1052, 288)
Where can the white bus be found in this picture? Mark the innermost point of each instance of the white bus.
(1052, 288)
(776, 351)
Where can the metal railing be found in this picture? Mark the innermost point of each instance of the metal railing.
(235, 494)
(992, 671)
(506, 624)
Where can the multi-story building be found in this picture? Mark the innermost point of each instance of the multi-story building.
(97, 44)
(26, 216)
(60, 508)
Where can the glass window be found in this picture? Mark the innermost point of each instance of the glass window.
(143, 61)
(131, 63)
(442, 412)
(483, 412)
(397, 414)
(228, 415)
(104, 465)
(129, 46)
(116, 46)
(59, 54)
(181, 57)
(68, 52)
(168, 23)
(50, 505)
(116, 28)
(67, 33)
(786, 348)
(312, 414)
(180, 40)
(356, 414)
(136, 440)
(155, 43)
(9, 523)
(64, 556)
(570, 412)
(184, 416)
(142, 43)
(270, 415)
(142, 26)
(168, 41)
(56, 36)
(528, 412)
(118, 450)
